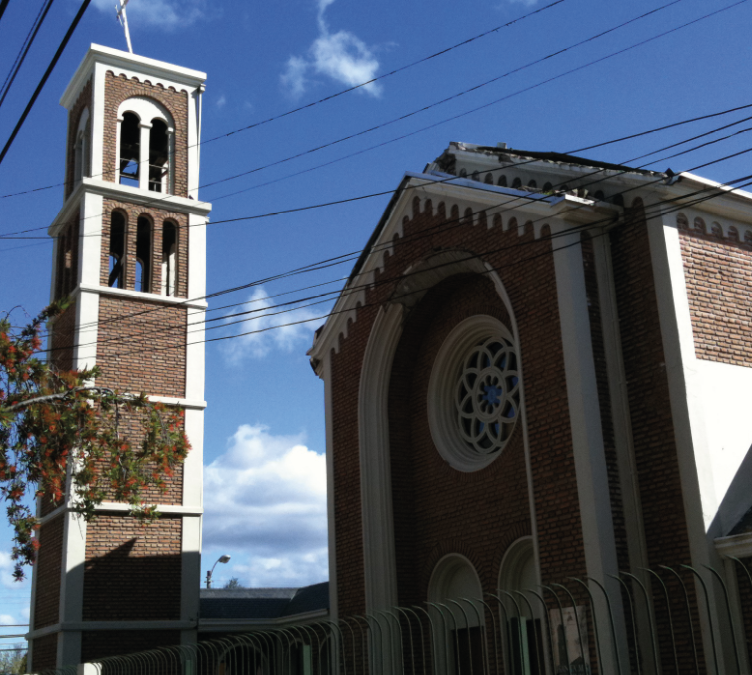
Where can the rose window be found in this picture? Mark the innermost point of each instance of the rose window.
(487, 399)
(474, 393)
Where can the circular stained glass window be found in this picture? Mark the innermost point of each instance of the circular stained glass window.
(488, 398)
(474, 393)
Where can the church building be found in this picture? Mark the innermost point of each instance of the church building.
(130, 242)
(540, 371)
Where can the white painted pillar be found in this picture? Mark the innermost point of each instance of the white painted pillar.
(143, 161)
(585, 419)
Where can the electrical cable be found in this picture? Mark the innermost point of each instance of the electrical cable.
(346, 257)
(21, 56)
(458, 95)
(45, 77)
(461, 219)
(13, 235)
(349, 89)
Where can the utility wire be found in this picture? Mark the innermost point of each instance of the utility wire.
(352, 255)
(456, 96)
(21, 56)
(45, 77)
(344, 91)
(20, 234)
(460, 220)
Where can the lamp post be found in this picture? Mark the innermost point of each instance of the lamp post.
(221, 559)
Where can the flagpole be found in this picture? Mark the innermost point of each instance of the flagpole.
(124, 17)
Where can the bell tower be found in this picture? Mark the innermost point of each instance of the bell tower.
(130, 253)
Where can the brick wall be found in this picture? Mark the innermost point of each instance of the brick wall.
(63, 338)
(141, 346)
(528, 275)
(74, 117)
(658, 478)
(45, 652)
(438, 509)
(132, 571)
(718, 274)
(48, 570)
(118, 89)
(157, 217)
(66, 275)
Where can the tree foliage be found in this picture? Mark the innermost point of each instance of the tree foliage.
(61, 438)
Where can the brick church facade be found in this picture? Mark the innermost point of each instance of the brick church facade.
(130, 255)
(540, 369)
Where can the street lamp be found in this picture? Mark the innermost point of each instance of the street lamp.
(221, 559)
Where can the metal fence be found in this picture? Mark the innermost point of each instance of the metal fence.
(668, 620)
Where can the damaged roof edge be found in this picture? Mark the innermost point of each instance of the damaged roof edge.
(559, 157)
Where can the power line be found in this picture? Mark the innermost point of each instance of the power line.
(21, 56)
(344, 91)
(347, 291)
(45, 77)
(349, 256)
(16, 235)
(458, 95)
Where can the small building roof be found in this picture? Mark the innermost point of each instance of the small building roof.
(262, 603)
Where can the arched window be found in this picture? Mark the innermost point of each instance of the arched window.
(517, 183)
(130, 149)
(524, 634)
(81, 151)
(116, 276)
(502, 182)
(143, 255)
(159, 155)
(548, 187)
(532, 184)
(454, 580)
(169, 247)
(146, 144)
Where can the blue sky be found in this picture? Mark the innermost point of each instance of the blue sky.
(264, 438)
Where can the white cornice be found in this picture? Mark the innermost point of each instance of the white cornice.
(737, 546)
(735, 204)
(130, 194)
(166, 300)
(110, 625)
(115, 58)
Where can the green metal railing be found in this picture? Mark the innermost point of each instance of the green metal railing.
(667, 620)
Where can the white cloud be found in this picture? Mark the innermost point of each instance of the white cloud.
(162, 13)
(265, 504)
(262, 317)
(221, 101)
(341, 56)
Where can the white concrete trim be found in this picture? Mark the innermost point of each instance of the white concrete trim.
(120, 61)
(191, 404)
(598, 538)
(193, 466)
(164, 509)
(110, 625)
(738, 545)
(97, 122)
(330, 488)
(688, 423)
(375, 463)
(190, 569)
(128, 193)
(166, 300)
